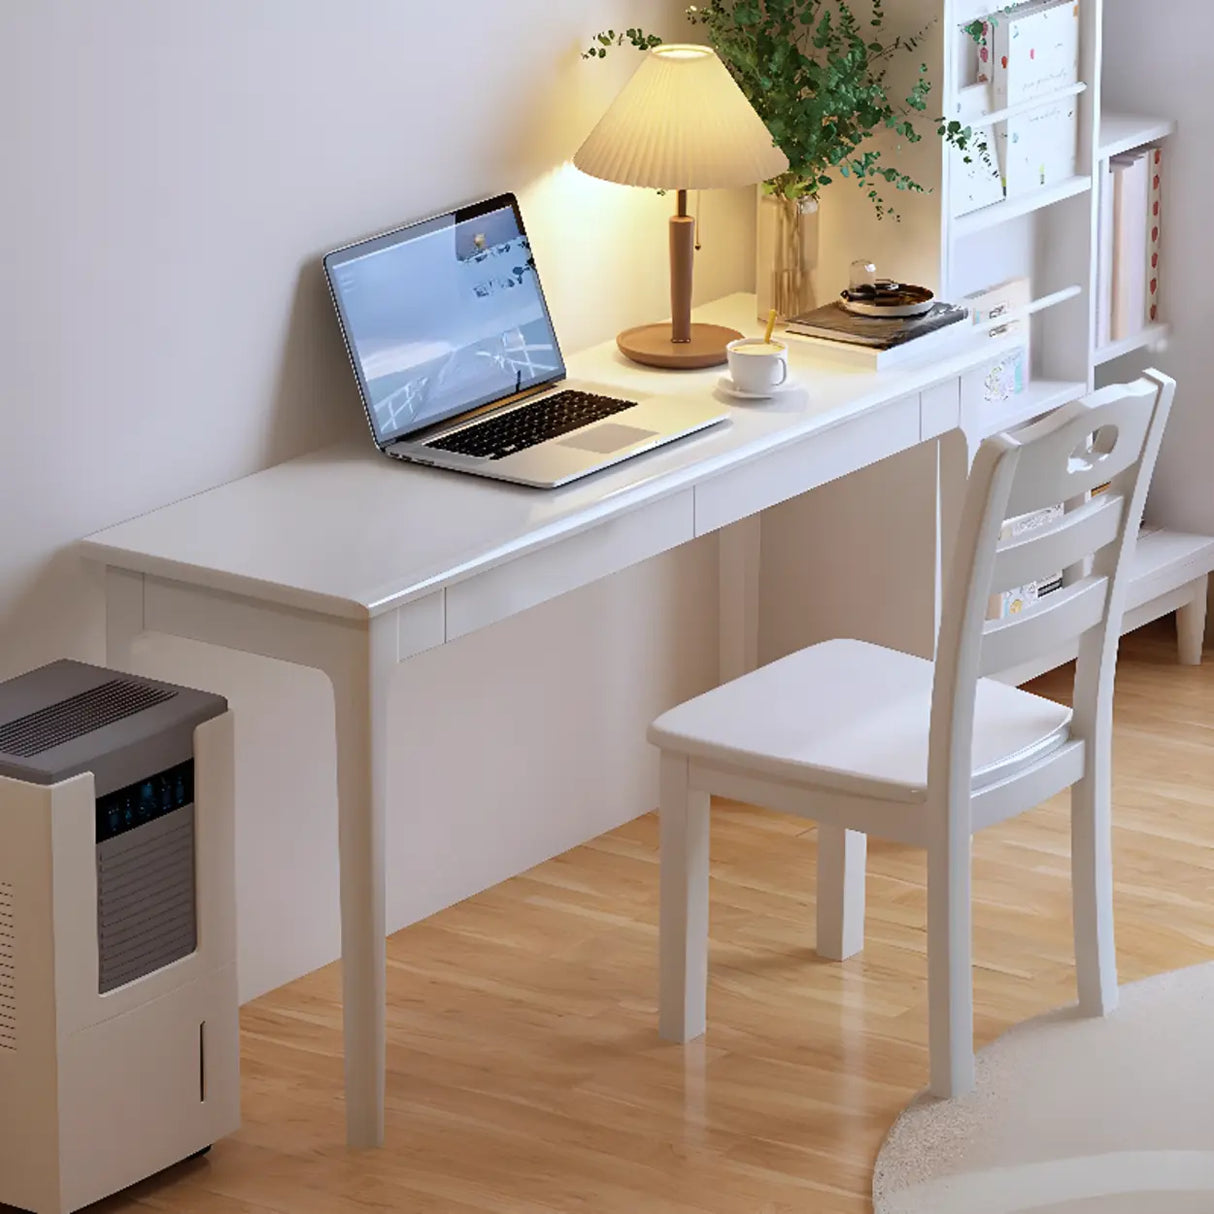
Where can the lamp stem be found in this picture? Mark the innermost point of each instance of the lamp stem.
(682, 261)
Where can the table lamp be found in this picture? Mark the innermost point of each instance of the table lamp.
(681, 123)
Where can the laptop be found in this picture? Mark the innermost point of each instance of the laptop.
(458, 364)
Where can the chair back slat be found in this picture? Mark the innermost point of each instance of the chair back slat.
(1071, 452)
(1050, 625)
(1040, 553)
(1110, 437)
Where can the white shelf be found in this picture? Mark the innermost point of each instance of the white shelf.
(1124, 132)
(1151, 336)
(1023, 204)
(1165, 560)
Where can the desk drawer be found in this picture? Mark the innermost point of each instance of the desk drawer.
(807, 463)
(568, 563)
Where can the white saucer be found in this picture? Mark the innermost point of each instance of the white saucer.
(726, 384)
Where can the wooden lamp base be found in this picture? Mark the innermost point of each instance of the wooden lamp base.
(678, 344)
(654, 346)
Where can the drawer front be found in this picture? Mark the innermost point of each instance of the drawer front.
(569, 563)
(807, 463)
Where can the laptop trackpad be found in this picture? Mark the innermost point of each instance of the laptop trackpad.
(610, 436)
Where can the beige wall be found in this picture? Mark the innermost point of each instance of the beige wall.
(172, 173)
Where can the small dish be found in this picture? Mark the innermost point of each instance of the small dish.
(726, 384)
(888, 298)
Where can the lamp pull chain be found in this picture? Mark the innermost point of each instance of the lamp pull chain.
(697, 221)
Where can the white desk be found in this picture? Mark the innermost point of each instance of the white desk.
(351, 563)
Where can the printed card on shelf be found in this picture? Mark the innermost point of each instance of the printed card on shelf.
(1034, 53)
(975, 180)
(1006, 378)
(1040, 148)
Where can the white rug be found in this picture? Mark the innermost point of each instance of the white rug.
(1072, 1116)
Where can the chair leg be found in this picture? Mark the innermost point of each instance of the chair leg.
(683, 919)
(841, 857)
(950, 979)
(1092, 891)
(1191, 626)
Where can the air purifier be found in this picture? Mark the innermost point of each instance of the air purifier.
(119, 1051)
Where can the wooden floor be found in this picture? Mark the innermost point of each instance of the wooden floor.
(525, 1069)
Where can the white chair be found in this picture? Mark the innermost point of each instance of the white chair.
(865, 739)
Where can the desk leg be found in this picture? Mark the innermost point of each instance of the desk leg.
(738, 591)
(123, 616)
(360, 700)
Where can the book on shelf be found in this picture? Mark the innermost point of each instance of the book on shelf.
(1019, 598)
(1131, 239)
(1104, 258)
(880, 341)
(1154, 208)
(1128, 245)
(1034, 53)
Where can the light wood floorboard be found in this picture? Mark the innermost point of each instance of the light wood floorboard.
(526, 1074)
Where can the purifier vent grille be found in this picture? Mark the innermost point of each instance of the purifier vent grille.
(8, 969)
(145, 899)
(79, 714)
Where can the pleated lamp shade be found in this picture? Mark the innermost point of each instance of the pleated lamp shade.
(681, 123)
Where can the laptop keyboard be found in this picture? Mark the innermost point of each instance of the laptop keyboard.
(531, 424)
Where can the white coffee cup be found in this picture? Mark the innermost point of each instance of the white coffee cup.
(756, 365)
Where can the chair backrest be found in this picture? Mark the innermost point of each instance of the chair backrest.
(1110, 437)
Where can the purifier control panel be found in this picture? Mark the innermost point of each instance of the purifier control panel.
(146, 801)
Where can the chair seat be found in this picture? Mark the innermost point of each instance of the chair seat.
(854, 717)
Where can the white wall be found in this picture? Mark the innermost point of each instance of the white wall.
(171, 174)
(1157, 62)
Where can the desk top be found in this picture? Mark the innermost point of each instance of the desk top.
(350, 532)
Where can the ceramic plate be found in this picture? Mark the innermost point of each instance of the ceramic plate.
(905, 301)
(726, 384)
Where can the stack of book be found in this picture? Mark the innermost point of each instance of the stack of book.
(880, 341)
(1020, 598)
(1127, 276)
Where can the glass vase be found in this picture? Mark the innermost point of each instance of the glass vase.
(786, 255)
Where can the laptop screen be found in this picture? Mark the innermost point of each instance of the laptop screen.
(443, 316)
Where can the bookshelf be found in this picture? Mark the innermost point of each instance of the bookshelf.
(1049, 235)
(1151, 338)
(1124, 132)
